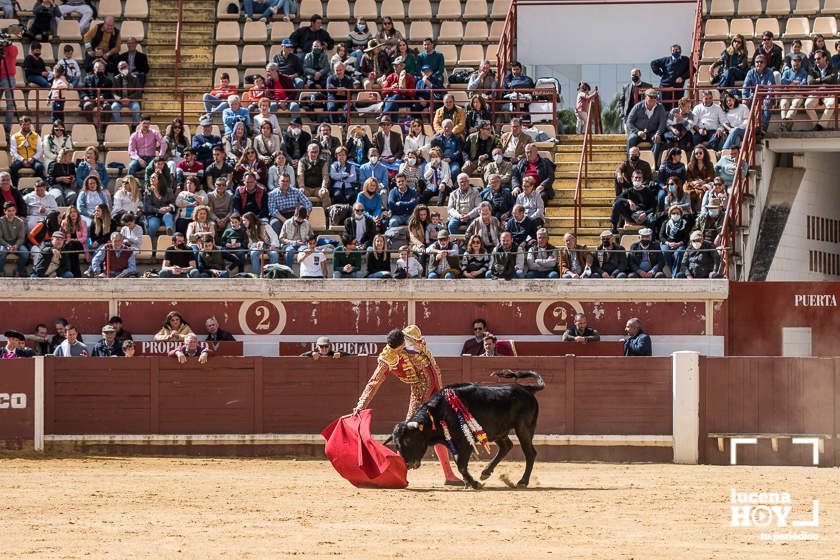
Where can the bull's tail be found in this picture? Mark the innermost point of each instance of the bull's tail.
(510, 374)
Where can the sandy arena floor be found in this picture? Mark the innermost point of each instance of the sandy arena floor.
(116, 507)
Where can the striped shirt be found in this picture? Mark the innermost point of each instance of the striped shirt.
(279, 202)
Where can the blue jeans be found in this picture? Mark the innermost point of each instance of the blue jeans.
(195, 273)
(57, 110)
(273, 258)
(672, 257)
(38, 80)
(731, 75)
(542, 274)
(342, 274)
(391, 105)
(213, 104)
(264, 6)
(455, 224)
(736, 136)
(518, 275)
(135, 166)
(380, 274)
(399, 220)
(448, 276)
(22, 254)
(153, 223)
(709, 137)
(766, 109)
(635, 140)
(8, 85)
(337, 118)
(133, 106)
(291, 251)
(236, 257)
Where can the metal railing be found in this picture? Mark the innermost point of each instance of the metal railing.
(696, 40)
(178, 26)
(507, 40)
(593, 121)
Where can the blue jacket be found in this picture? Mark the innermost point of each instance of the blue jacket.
(753, 79)
(788, 76)
(231, 117)
(669, 69)
(638, 345)
(203, 146)
(402, 204)
(380, 173)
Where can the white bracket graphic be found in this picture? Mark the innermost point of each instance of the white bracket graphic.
(814, 442)
(734, 442)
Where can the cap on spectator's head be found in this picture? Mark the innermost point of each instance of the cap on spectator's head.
(9, 204)
(645, 232)
(696, 235)
(385, 119)
(373, 44)
(606, 234)
(40, 183)
(296, 120)
(425, 68)
(14, 334)
(398, 60)
(58, 234)
(286, 43)
(322, 341)
(443, 234)
(108, 328)
(205, 121)
(651, 93)
(713, 203)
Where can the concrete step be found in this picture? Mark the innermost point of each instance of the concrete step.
(574, 156)
(597, 165)
(606, 174)
(571, 183)
(585, 211)
(595, 138)
(586, 194)
(568, 222)
(599, 148)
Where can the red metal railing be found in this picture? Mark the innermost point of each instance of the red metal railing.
(696, 40)
(178, 44)
(507, 41)
(593, 121)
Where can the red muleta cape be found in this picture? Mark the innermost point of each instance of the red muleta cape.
(357, 457)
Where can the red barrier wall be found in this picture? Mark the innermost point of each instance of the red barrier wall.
(17, 402)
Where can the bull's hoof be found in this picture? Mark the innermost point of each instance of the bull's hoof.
(522, 484)
(454, 482)
(485, 475)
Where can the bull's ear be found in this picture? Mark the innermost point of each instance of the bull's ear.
(412, 425)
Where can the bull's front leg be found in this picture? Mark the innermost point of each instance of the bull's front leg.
(462, 462)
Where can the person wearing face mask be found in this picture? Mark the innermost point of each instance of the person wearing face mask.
(438, 176)
(673, 73)
(710, 223)
(636, 205)
(360, 227)
(374, 168)
(624, 173)
(478, 149)
(644, 259)
(96, 92)
(673, 238)
(609, 259)
(316, 66)
(498, 166)
(631, 93)
(296, 140)
(343, 177)
(701, 259)
(410, 167)
(359, 37)
(127, 95)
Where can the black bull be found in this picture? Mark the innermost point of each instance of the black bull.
(498, 409)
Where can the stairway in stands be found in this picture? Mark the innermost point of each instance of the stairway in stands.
(608, 151)
(196, 56)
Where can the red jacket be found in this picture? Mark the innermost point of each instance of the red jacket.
(392, 82)
(10, 59)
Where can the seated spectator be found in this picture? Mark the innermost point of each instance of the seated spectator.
(463, 205)
(434, 227)
(289, 64)
(727, 166)
(98, 55)
(507, 261)
(236, 143)
(42, 24)
(327, 143)
(516, 79)
(187, 201)
(314, 176)
(132, 233)
(374, 66)
(13, 239)
(389, 36)
(401, 202)
(434, 59)
(91, 196)
(265, 9)
(235, 113)
(249, 163)
(189, 167)
(542, 258)
(388, 143)
(411, 168)
(191, 349)
(312, 261)
(407, 265)
(416, 140)
(624, 173)
(201, 224)
(71, 347)
(646, 123)
(15, 347)
(710, 221)
(498, 166)
(211, 261)
(835, 59)
(127, 94)
(54, 142)
(540, 168)
(521, 227)
(108, 345)
(72, 71)
(294, 234)
(609, 258)
(451, 146)
(251, 197)
(760, 75)
(475, 263)
(216, 100)
(451, 112)
(158, 207)
(75, 234)
(443, 258)
(637, 205)
(284, 202)
(482, 80)
(158, 166)
(359, 37)
(114, 260)
(486, 227)
(821, 74)
(770, 51)
(128, 348)
(514, 141)
(673, 238)
(575, 260)
(263, 105)
(303, 38)
(708, 122)
(580, 332)
(220, 203)
(339, 88)
(378, 258)
(531, 201)
(52, 261)
(11, 194)
(429, 86)
(795, 76)
(500, 199)
(323, 349)
(733, 63)
(371, 201)
(680, 124)
(34, 67)
(478, 149)
(474, 346)
(349, 60)
(417, 228)
(215, 333)
(101, 227)
(25, 150)
(43, 230)
(672, 166)
(204, 142)
(698, 174)
(179, 259)
(316, 66)
(347, 258)
(96, 93)
(360, 227)
(438, 177)
(296, 140)
(138, 62)
(61, 176)
(676, 197)
(143, 145)
(818, 45)
(644, 259)
(39, 203)
(375, 169)
(358, 145)
(398, 86)
(105, 35)
(233, 241)
(637, 342)
(701, 259)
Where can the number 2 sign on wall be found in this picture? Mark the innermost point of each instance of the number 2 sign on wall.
(262, 317)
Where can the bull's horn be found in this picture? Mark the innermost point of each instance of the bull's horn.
(389, 440)
(412, 425)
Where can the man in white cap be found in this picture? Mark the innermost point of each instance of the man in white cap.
(323, 349)
(399, 85)
(645, 258)
(108, 345)
(701, 259)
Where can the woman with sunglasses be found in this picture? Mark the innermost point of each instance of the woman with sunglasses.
(389, 36)
(733, 63)
(54, 142)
